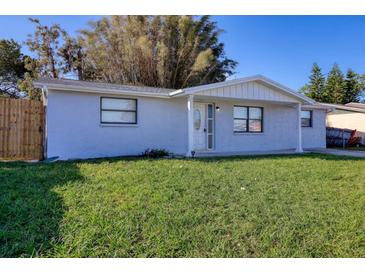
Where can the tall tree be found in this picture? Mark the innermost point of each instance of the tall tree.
(72, 55)
(45, 43)
(164, 51)
(335, 86)
(26, 83)
(57, 53)
(12, 68)
(353, 87)
(315, 88)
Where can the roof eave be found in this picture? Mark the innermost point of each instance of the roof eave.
(39, 84)
(346, 108)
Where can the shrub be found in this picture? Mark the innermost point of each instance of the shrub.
(155, 153)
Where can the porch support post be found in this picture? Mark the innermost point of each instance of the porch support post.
(190, 110)
(299, 144)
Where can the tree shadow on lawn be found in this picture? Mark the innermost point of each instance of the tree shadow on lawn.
(30, 210)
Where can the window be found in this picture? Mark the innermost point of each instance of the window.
(197, 119)
(306, 116)
(247, 119)
(118, 111)
(210, 125)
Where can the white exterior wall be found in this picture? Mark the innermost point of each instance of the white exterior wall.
(74, 130)
(280, 129)
(315, 136)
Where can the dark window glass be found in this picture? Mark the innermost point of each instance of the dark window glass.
(240, 125)
(118, 111)
(210, 111)
(254, 126)
(306, 118)
(240, 112)
(210, 141)
(210, 126)
(247, 119)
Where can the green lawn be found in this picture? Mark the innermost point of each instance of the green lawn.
(268, 206)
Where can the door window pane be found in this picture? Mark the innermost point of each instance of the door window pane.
(210, 126)
(197, 119)
(210, 141)
(210, 111)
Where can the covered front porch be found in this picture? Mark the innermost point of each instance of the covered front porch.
(253, 114)
(235, 126)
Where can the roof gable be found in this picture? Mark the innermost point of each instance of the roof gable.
(252, 88)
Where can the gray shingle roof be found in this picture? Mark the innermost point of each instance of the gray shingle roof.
(344, 107)
(100, 85)
(356, 105)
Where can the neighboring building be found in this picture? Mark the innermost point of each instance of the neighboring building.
(349, 116)
(247, 115)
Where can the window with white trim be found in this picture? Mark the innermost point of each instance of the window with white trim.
(118, 110)
(247, 119)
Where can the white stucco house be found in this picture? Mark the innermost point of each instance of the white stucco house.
(248, 115)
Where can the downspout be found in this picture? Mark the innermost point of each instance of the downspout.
(299, 148)
(45, 110)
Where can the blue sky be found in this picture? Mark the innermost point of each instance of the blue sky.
(280, 47)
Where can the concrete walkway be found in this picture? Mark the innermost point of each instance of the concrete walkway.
(340, 152)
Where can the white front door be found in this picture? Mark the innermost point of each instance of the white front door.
(200, 136)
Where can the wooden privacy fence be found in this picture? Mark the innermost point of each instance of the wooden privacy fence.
(21, 129)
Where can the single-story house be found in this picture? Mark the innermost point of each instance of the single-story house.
(349, 116)
(247, 115)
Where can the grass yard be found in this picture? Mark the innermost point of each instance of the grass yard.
(267, 206)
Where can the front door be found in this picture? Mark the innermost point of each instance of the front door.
(200, 130)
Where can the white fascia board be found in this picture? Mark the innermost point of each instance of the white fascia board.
(317, 106)
(57, 87)
(176, 92)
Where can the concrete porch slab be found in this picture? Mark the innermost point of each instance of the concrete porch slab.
(204, 154)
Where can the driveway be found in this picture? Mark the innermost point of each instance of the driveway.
(341, 152)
